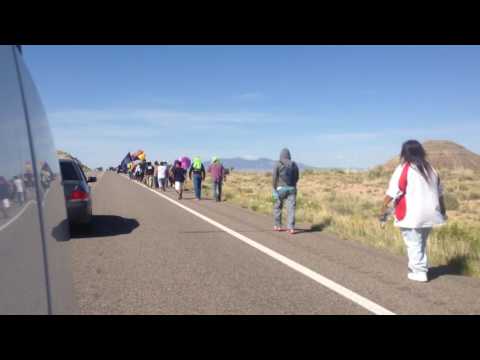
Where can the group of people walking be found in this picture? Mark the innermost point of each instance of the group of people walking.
(18, 191)
(414, 190)
(414, 196)
(162, 175)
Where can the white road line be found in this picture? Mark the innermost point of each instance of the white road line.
(4, 226)
(339, 289)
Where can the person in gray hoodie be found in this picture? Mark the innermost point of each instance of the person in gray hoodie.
(285, 178)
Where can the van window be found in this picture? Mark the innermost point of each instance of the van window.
(68, 171)
(83, 174)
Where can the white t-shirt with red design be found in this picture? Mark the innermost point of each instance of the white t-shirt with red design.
(422, 198)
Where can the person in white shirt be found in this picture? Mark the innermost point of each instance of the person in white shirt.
(162, 175)
(417, 193)
(4, 197)
(19, 190)
(138, 172)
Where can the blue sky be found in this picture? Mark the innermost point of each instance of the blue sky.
(341, 106)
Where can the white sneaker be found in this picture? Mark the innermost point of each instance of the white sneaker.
(422, 277)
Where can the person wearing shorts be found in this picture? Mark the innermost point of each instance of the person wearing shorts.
(179, 177)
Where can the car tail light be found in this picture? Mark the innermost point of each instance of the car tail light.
(78, 195)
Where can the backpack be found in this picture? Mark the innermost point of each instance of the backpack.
(197, 165)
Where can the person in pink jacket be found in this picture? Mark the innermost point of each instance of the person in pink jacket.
(217, 171)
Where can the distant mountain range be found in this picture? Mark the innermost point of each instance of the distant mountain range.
(262, 164)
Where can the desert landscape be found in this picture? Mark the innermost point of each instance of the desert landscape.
(347, 204)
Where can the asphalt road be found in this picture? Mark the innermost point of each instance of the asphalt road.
(146, 255)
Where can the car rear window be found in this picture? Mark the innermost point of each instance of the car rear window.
(68, 171)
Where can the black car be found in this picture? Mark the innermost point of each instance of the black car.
(77, 192)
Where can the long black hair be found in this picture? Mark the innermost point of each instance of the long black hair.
(414, 153)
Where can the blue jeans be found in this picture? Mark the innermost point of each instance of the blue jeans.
(416, 241)
(290, 197)
(162, 183)
(217, 190)
(20, 198)
(197, 185)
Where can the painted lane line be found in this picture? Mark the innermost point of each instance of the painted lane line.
(4, 226)
(27, 204)
(322, 280)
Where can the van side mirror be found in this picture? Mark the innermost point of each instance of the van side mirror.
(92, 179)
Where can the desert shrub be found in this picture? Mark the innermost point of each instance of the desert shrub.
(328, 203)
(451, 202)
(473, 196)
(357, 179)
(312, 205)
(332, 196)
(376, 173)
(308, 172)
(368, 206)
(463, 187)
(268, 174)
(467, 236)
(300, 201)
(342, 206)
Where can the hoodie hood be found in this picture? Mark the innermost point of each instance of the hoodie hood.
(285, 157)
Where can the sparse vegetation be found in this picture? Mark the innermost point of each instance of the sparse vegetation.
(347, 205)
(473, 196)
(451, 202)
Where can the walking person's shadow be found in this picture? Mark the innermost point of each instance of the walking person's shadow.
(319, 227)
(455, 266)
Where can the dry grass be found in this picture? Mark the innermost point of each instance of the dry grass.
(347, 205)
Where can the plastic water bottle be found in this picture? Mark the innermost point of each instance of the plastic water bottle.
(275, 195)
(383, 218)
